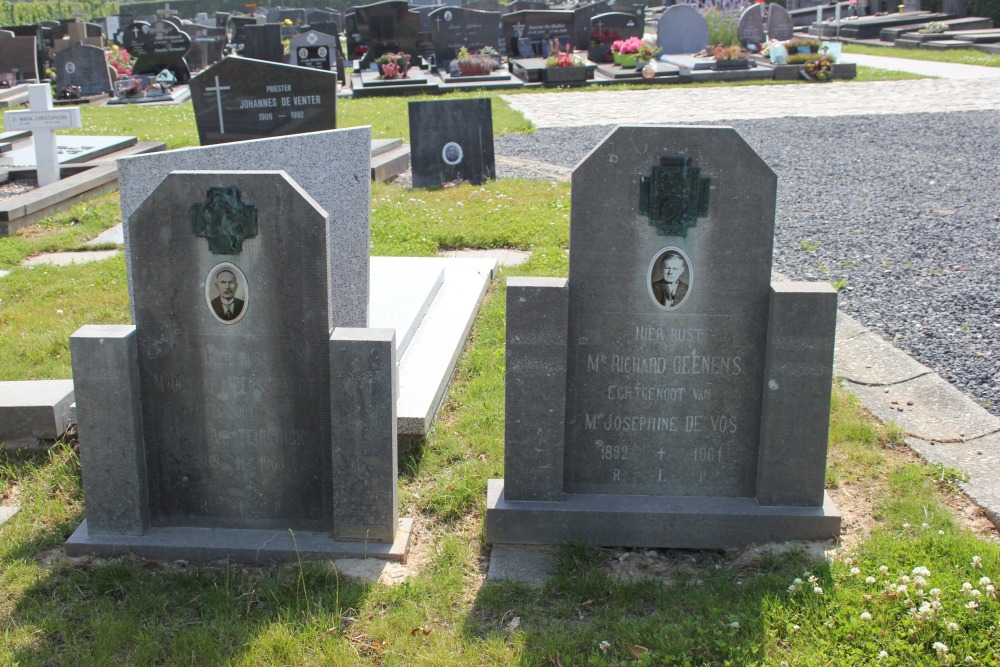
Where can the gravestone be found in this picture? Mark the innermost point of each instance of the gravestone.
(487, 6)
(455, 27)
(527, 33)
(779, 23)
(209, 45)
(581, 23)
(451, 140)
(682, 30)
(667, 394)
(236, 31)
(606, 29)
(43, 121)
(19, 59)
(263, 42)
(251, 431)
(384, 27)
(314, 49)
(320, 16)
(85, 66)
(750, 30)
(241, 98)
(156, 47)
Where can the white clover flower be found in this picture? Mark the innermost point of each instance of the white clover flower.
(919, 582)
(901, 589)
(855, 571)
(952, 626)
(966, 587)
(977, 562)
(870, 580)
(971, 605)
(865, 616)
(940, 532)
(975, 593)
(925, 525)
(905, 579)
(796, 628)
(604, 645)
(921, 571)
(817, 590)
(969, 659)
(936, 592)
(985, 581)
(797, 581)
(991, 591)
(906, 525)
(883, 569)
(735, 625)
(882, 655)
(940, 648)
(848, 560)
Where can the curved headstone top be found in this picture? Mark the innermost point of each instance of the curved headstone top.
(779, 23)
(682, 29)
(751, 26)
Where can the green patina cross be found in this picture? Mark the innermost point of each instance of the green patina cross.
(224, 219)
(674, 196)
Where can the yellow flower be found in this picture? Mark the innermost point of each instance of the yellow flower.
(288, 21)
(114, 47)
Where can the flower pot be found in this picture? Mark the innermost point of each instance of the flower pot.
(626, 60)
(474, 69)
(563, 76)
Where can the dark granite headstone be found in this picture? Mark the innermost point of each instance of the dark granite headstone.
(19, 58)
(526, 33)
(526, 5)
(320, 16)
(455, 27)
(682, 29)
(487, 6)
(314, 49)
(230, 421)
(241, 98)
(581, 22)
(263, 42)
(221, 19)
(750, 30)
(451, 140)
(85, 66)
(236, 31)
(779, 23)
(158, 46)
(667, 394)
(385, 27)
(605, 29)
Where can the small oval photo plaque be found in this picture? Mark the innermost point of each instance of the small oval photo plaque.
(227, 293)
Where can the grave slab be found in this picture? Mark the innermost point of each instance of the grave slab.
(868, 359)
(70, 149)
(523, 564)
(7, 512)
(35, 409)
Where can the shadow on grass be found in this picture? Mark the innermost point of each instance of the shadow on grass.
(690, 607)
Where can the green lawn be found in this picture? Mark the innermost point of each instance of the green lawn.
(896, 586)
(962, 56)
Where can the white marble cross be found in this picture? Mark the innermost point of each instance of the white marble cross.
(43, 121)
(218, 100)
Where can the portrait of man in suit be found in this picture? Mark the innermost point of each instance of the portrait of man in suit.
(226, 305)
(670, 279)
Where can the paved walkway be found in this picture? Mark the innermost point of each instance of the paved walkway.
(960, 88)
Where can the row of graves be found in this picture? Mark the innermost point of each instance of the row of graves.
(911, 28)
(666, 394)
(399, 48)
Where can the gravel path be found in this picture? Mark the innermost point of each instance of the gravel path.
(904, 208)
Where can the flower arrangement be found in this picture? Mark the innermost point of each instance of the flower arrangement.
(598, 37)
(627, 46)
(934, 27)
(360, 50)
(563, 60)
(647, 51)
(728, 53)
(393, 65)
(802, 45)
(818, 69)
(119, 60)
(485, 61)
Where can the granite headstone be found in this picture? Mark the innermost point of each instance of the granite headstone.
(750, 29)
(779, 23)
(581, 22)
(451, 140)
(85, 66)
(682, 30)
(19, 59)
(242, 98)
(667, 394)
(314, 49)
(229, 421)
(606, 29)
(455, 27)
(383, 27)
(263, 42)
(527, 33)
(158, 46)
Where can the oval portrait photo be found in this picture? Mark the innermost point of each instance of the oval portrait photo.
(227, 293)
(669, 277)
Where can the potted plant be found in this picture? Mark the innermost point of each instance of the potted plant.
(600, 45)
(486, 61)
(730, 57)
(934, 27)
(645, 53)
(563, 69)
(393, 65)
(626, 51)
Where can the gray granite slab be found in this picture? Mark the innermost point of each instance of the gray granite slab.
(868, 359)
(332, 166)
(928, 408)
(400, 304)
(34, 409)
(524, 564)
(6, 512)
(682, 29)
(847, 326)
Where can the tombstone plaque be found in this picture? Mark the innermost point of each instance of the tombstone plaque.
(383, 27)
(682, 30)
(455, 27)
(158, 46)
(451, 140)
(85, 66)
(527, 33)
(241, 98)
(263, 42)
(229, 421)
(667, 394)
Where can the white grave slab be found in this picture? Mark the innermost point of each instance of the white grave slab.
(43, 121)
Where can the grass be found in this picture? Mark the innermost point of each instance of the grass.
(895, 587)
(961, 56)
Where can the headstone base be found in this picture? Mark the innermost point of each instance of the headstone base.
(688, 522)
(244, 546)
